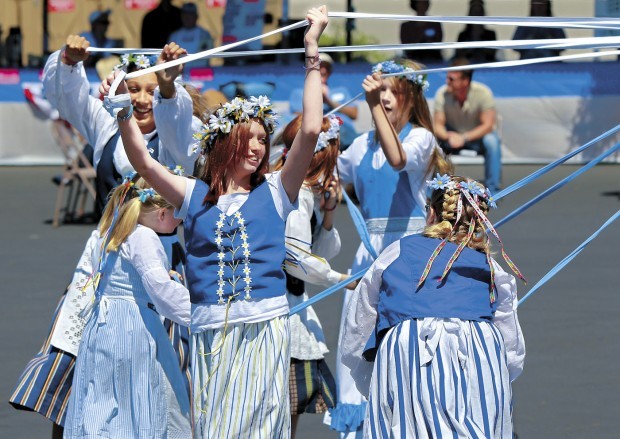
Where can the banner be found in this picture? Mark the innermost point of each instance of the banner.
(243, 19)
(61, 5)
(215, 3)
(141, 4)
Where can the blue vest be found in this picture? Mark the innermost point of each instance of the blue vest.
(384, 192)
(463, 294)
(238, 256)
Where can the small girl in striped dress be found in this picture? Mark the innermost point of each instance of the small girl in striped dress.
(437, 316)
(127, 381)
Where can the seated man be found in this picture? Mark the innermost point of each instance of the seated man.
(465, 119)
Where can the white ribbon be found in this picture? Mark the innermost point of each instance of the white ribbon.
(115, 104)
(128, 51)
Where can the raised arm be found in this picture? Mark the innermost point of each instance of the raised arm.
(302, 149)
(388, 136)
(169, 186)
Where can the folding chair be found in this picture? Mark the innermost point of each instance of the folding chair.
(78, 173)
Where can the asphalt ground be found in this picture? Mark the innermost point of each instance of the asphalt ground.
(569, 388)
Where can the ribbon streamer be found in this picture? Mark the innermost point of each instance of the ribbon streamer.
(568, 258)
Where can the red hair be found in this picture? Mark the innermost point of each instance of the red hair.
(227, 151)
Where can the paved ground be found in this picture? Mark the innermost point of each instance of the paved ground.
(569, 388)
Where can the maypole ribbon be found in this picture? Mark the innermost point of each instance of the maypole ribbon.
(558, 185)
(568, 258)
(207, 53)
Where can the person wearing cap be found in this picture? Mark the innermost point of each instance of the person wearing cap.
(332, 98)
(191, 36)
(99, 22)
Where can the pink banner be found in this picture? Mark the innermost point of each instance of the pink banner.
(61, 5)
(141, 4)
(215, 3)
(9, 76)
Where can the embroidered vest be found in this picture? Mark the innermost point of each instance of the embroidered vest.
(464, 293)
(238, 256)
(384, 192)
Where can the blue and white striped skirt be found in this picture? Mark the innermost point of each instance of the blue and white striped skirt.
(439, 378)
(240, 380)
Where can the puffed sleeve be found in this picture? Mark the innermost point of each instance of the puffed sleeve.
(176, 125)
(418, 147)
(171, 299)
(326, 243)
(68, 90)
(507, 321)
(309, 266)
(361, 318)
(346, 160)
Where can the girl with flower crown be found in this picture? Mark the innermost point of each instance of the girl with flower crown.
(388, 168)
(433, 326)
(234, 234)
(312, 240)
(127, 381)
(166, 116)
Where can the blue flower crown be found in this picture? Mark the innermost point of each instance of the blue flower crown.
(444, 182)
(407, 73)
(233, 112)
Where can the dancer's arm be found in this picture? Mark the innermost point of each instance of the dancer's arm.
(169, 186)
(388, 137)
(507, 321)
(302, 149)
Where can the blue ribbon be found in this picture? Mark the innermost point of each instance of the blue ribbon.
(360, 225)
(558, 185)
(524, 181)
(568, 258)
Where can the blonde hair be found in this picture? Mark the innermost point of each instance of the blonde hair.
(445, 203)
(126, 201)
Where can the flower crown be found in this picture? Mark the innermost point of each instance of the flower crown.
(233, 112)
(475, 189)
(407, 72)
(332, 133)
(140, 61)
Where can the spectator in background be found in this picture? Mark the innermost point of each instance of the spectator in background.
(476, 32)
(99, 22)
(414, 32)
(464, 119)
(191, 36)
(158, 24)
(538, 8)
(332, 98)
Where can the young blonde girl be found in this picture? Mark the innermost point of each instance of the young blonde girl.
(127, 381)
(388, 168)
(234, 234)
(433, 327)
(311, 241)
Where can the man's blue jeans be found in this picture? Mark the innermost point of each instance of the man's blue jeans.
(490, 147)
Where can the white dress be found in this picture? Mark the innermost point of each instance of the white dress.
(307, 338)
(434, 391)
(127, 381)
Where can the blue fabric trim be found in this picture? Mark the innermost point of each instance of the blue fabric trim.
(348, 417)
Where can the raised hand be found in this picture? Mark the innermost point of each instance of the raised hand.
(104, 87)
(170, 52)
(318, 22)
(372, 86)
(75, 50)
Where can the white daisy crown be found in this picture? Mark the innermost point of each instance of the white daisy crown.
(236, 111)
(332, 133)
(140, 61)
